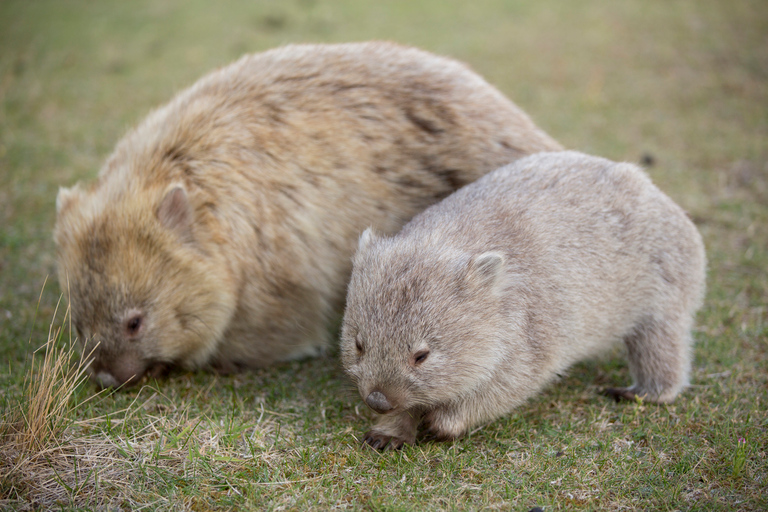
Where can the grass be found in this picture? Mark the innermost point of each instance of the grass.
(48, 387)
(682, 81)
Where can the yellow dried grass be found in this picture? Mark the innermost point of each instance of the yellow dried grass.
(49, 458)
(54, 373)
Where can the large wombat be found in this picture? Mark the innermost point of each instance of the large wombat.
(484, 298)
(220, 231)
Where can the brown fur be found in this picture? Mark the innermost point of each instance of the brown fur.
(221, 229)
(484, 298)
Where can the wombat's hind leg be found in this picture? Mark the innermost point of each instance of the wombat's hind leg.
(447, 423)
(620, 394)
(659, 352)
(391, 432)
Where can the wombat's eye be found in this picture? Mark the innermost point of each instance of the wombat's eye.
(420, 356)
(358, 344)
(133, 325)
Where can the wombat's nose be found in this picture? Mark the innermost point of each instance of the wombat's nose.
(106, 377)
(105, 380)
(377, 401)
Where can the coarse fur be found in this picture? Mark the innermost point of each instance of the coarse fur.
(220, 231)
(482, 299)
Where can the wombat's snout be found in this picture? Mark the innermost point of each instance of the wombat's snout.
(105, 379)
(126, 375)
(377, 401)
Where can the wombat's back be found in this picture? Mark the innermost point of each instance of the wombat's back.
(369, 95)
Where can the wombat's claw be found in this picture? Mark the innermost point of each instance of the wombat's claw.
(382, 442)
(619, 394)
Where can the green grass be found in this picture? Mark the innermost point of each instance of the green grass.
(685, 81)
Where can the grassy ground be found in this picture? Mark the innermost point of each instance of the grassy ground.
(681, 82)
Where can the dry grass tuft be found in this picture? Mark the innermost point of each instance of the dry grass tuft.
(49, 386)
(50, 459)
(33, 430)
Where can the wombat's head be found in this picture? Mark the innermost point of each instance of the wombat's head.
(421, 324)
(143, 292)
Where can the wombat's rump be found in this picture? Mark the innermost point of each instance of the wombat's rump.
(482, 299)
(220, 231)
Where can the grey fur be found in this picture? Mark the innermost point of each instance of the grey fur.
(511, 280)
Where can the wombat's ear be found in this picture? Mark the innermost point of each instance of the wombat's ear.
(175, 212)
(486, 269)
(67, 197)
(366, 238)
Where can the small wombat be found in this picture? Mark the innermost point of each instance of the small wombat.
(482, 299)
(220, 231)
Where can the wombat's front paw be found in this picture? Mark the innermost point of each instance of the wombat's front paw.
(379, 441)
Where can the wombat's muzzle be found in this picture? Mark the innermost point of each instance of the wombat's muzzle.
(127, 376)
(106, 379)
(377, 401)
